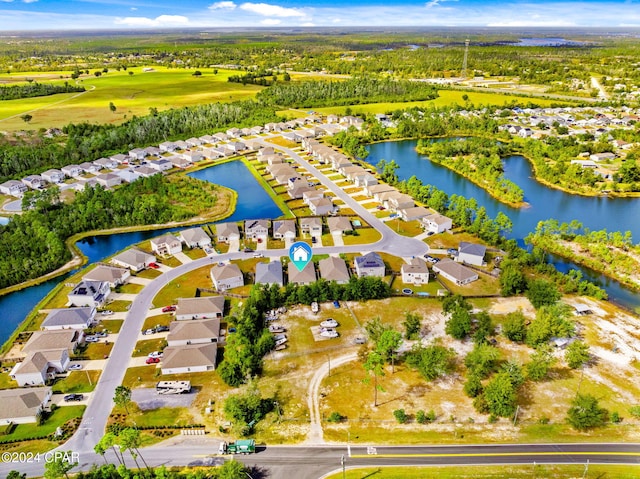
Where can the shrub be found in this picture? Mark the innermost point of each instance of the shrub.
(493, 419)
(543, 420)
(400, 416)
(421, 417)
(635, 411)
(335, 416)
(615, 417)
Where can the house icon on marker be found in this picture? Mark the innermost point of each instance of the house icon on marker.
(300, 254)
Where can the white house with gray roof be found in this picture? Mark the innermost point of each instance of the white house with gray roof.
(192, 358)
(199, 331)
(53, 176)
(134, 258)
(111, 274)
(284, 229)
(40, 366)
(195, 238)
(13, 188)
(415, 272)
(21, 406)
(227, 276)
(207, 307)
(269, 273)
(69, 318)
(471, 253)
(166, 245)
(455, 272)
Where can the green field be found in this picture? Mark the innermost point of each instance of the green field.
(131, 94)
(445, 98)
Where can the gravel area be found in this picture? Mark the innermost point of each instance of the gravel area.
(148, 398)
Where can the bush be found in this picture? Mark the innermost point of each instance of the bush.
(421, 417)
(335, 416)
(493, 419)
(586, 413)
(635, 411)
(543, 420)
(400, 416)
(615, 417)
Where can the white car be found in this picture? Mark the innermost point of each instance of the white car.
(258, 255)
(329, 323)
(74, 367)
(106, 312)
(328, 333)
(155, 354)
(91, 339)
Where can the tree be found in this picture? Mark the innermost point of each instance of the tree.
(26, 117)
(512, 279)
(577, 354)
(400, 416)
(232, 470)
(16, 475)
(286, 76)
(500, 395)
(375, 328)
(482, 360)
(432, 361)
(411, 325)
(542, 293)
(248, 408)
(550, 321)
(97, 73)
(374, 365)
(541, 362)
(514, 327)
(197, 73)
(129, 439)
(459, 323)
(58, 466)
(483, 328)
(109, 440)
(586, 413)
(387, 344)
(112, 107)
(122, 397)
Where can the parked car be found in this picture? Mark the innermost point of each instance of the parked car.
(73, 397)
(258, 255)
(168, 309)
(430, 259)
(232, 330)
(155, 354)
(101, 334)
(314, 239)
(91, 339)
(328, 333)
(329, 323)
(148, 331)
(380, 207)
(248, 250)
(452, 251)
(162, 329)
(74, 367)
(276, 328)
(107, 312)
(154, 265)
(336, 304)
(152, 360)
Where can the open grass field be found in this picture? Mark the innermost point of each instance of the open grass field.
(445, 98)
(77, 382)
(57, 418)
(131, 94)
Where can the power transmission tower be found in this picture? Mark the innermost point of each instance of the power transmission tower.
(464, 61)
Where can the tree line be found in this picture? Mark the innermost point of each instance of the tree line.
(34, 89)
(33, 243)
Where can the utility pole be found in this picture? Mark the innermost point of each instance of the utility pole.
(343, 470)
(586, 469)
(515, 416)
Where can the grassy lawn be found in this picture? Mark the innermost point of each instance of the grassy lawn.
(327, 239)
(365, 236)
(275, 244)
(450, 239)
(38, 445)
(166, 416)
(146, 346)
(537, 471)
(405, 228)
(431, 287)
(111, 325)
(119, 305)
(132, 95)
(129, 288)
(59, 300)
(484, 286)
(171, 261)
(194, 253)
(141, 376)
(183, 287)
(149, 273)
(158, 320)
(57, 418)
(392, 262)
(6, 382)
(77, 382)
(96, 350)
(278, 140)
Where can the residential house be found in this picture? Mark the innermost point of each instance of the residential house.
(71, 170)
(269, 273)
(129, 175)
(256, 229)
(206, 307)
(233, 133)
(266, 151)
(89, 293)
(437, 223)
(153, 151)
(455, 272)
(227, 276)
(471, 253)
(68, 339)
(339, 224)
(227, 232)
(106, 163)
(138, 153)
(304, 277)
(109, 180)
(311, 225)
(415, 272)
(602, 156)
(193, 142)
(193, 358)
(370, 264)
(382, 196)
(413, 213)
(400, 202)
(193, 156)
(134, 258)
(207, 139)
(34, 182)
(199, 331)
(212, 153)
(372, 190)
(220, 136)
(69, 318)
(179, 161)
(161, 164)
(195, 238)
(311, 194)
(334, 269)
(364, 180)
(299, 188)
(168, 146)
(321, 206)
(40, 367)
(21, 406)
(89, 167)
(146, 172)
(13, 188)
(110, 274)
(53, 176)
(181, 145)
(166, 245)
(271, 160)
(284, 229)
(121, 159)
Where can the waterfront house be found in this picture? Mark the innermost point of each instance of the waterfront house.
(256, 230)
(166, 245)
(134, 258)
(69, 318)
(195, 238)
(89, 293)
(227, 232)
(111, 274)
(284, 229)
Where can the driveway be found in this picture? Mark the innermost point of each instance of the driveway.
(183, 258)
(234, 245)
(139, 280)
(148, 398)
(338, 240)
(58, 400)
(262, 245)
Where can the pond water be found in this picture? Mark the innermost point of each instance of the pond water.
(253, 203)
(544, 203)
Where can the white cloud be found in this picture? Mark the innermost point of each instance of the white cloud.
(224, 5)
(29, 1)
(7, 1)
(435, 3)
(268, 10)
(133, 9)
(270, 21)
(161, 21)
(336, 20)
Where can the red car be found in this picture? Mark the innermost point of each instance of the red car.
(168, 309)
(153, 360)
(153, 265)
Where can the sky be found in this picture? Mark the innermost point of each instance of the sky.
(149, 14)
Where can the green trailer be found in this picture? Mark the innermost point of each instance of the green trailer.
(241, 446)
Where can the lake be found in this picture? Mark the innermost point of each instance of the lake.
(544, 203)
(253, 203)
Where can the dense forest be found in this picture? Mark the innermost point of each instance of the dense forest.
(33, 243)
(33, 89)
(89, 142)
(353, 91)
